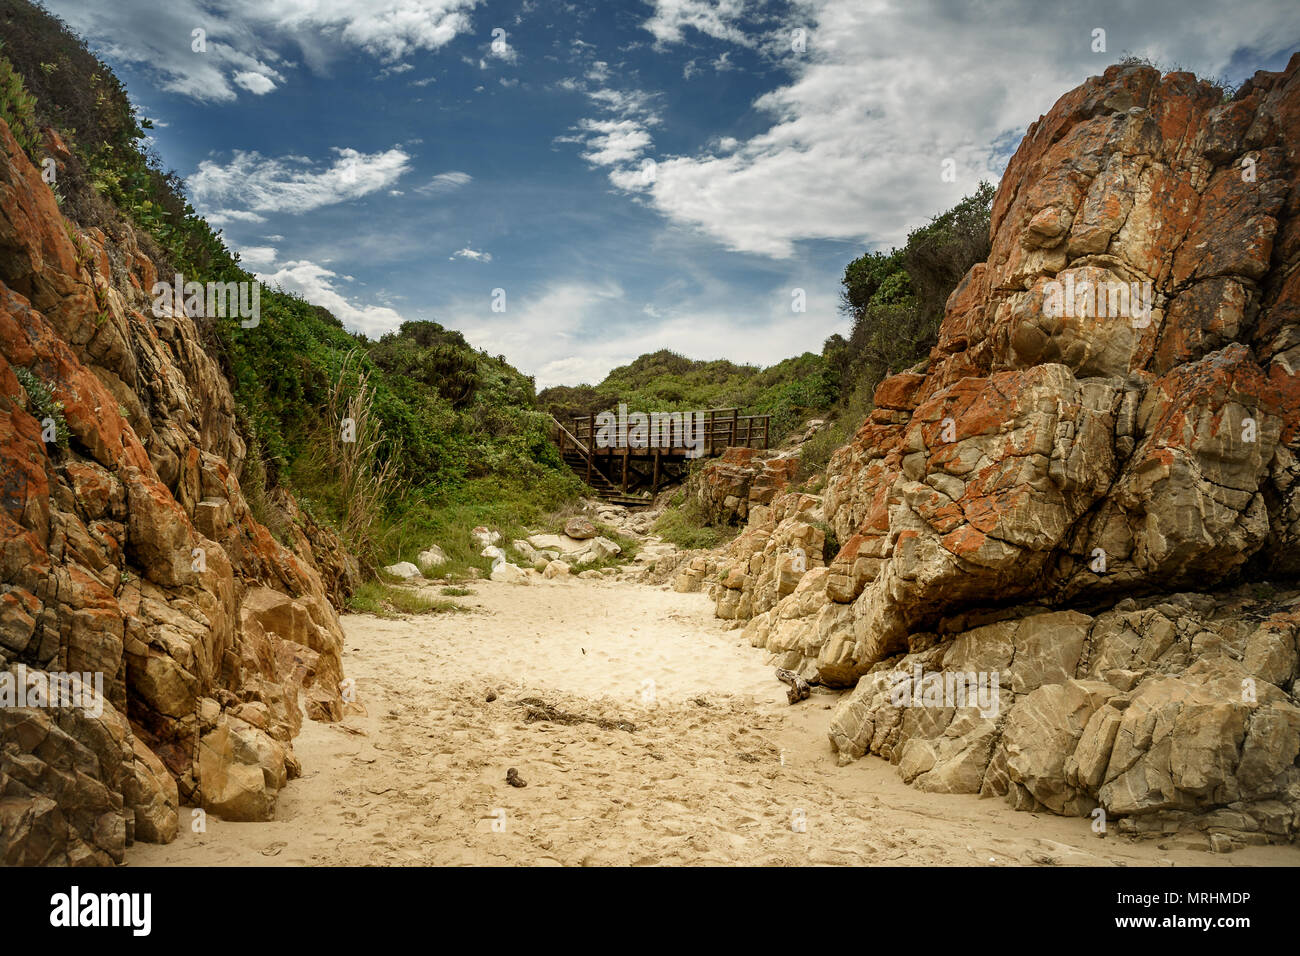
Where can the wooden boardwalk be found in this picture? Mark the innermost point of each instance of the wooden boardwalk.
(621, 457)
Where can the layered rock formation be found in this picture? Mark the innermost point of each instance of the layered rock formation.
(1067, 491)
(128, 550)
(728, 488)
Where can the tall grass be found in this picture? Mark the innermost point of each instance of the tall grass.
(348, 470)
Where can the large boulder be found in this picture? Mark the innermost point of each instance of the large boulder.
(241, 771)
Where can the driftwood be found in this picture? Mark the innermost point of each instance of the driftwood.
(537, 709)
(799, 689)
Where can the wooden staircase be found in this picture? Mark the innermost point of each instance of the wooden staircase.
(578, 458)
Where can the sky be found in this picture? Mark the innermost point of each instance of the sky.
(574, 184)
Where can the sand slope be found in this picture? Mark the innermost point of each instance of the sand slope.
(718, 770)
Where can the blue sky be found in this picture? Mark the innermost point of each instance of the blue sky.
(634, 175)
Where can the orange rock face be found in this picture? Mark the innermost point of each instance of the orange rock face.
(1111, 410)
(730, 486)
(128, 551)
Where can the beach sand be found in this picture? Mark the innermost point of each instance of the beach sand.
(718, 770)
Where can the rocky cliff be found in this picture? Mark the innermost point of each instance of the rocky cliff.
(1082, 490)
(128, 550)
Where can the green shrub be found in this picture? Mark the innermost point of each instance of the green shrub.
(18, 110)
(386, 600)
(688, 527)
(43, 406)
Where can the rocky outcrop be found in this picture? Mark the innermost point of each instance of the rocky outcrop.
(1154, 711)
(726, 489)
(1111, 414)
(129, 552)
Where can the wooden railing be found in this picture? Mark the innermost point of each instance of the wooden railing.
(663, 453)
(706, 431)
(567, 440)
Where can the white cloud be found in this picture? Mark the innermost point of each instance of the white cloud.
(257, 257)
(255, 83)
(242, 36)
(624, 102)
(220, 217)
(714, 18)
(314, 283)
(613, 142)
(571, 331)
(444, 183)
(540, 334)
(621, 141)
(252, 183)
(886, 91)
(472, 254)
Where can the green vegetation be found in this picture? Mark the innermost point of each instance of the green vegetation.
(18, 109)
(387, 600)
(896, 300)
(42, 404)
(447, 437)
(685, 524)
(790, 391)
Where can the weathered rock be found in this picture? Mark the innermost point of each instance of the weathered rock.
(241, 771)
(1146, 710)
(579, 528)
(728, 488)
(1112, 409)
(431, 557)
(131, 553)
(556, 569)
(404, 570)
(508, 573)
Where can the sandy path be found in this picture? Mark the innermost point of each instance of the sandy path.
(718, 768)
